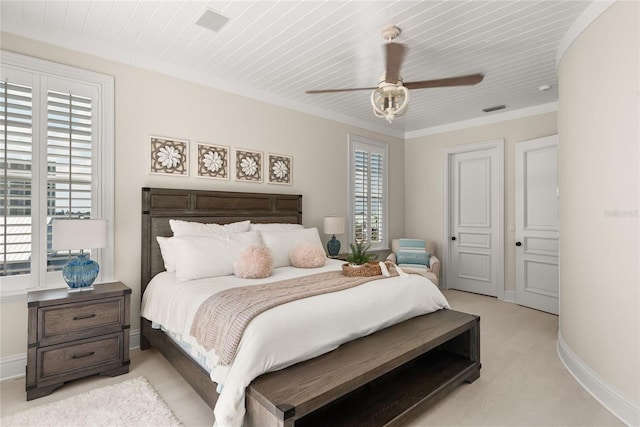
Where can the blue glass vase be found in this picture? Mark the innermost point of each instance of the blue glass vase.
(79, 273)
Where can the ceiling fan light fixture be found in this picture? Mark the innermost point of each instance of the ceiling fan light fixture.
(391, 98)
(390, 101)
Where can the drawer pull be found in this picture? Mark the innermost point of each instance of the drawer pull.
(80, 356)
(84, 316)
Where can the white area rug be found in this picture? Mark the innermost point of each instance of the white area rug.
(130, 403)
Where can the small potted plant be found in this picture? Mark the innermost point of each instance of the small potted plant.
(359, 261)
(359, 255)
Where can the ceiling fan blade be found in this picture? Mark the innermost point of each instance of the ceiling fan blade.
(467, 80)
(339, 90)
(395, 55)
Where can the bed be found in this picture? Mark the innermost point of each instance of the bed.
(308, 392)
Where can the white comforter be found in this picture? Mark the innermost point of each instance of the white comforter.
(289, 333)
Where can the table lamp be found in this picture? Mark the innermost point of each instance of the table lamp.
(333, 225)
(68, 234)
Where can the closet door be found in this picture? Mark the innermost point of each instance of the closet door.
(537, 232)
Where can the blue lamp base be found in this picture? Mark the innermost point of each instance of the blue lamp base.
(333, 246)
(79, 273)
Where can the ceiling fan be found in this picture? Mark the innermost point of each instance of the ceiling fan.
(391, 97)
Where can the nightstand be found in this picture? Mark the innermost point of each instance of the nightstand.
(76, 334)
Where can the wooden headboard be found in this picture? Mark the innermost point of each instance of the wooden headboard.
(159, 205)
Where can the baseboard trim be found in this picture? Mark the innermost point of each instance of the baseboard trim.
(134, 339)
(14, 366)
(510, 296)
(616, 402)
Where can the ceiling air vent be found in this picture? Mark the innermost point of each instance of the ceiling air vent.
(496, 108)
(212, 20)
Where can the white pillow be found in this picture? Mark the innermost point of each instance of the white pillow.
(210, 255)
(281, 243)
(168, 252)
(189, 228)
(275, 227)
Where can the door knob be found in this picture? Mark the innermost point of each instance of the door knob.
(453, 238)
(518, 244)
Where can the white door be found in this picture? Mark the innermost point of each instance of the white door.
(475, 250)
(537, 233)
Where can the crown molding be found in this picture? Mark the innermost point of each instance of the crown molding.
(551, 107)
(586, 18)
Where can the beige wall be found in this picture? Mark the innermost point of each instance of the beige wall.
(599, 190)
(150, 103)
(424, 174)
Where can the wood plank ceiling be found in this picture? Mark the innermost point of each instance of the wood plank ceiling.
(275, 50)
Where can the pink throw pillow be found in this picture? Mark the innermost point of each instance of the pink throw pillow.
(307, 255)
(253, 262)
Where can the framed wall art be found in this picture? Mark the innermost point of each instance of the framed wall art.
(280, 169)
(248, 165)
(168, 156)
(212, 161)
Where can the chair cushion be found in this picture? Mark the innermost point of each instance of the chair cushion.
(412, 251)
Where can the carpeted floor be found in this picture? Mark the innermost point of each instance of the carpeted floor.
(522, 382)
(132, 402)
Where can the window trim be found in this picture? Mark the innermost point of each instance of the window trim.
(353, 143)
(105, 202)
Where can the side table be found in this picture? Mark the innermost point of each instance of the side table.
(76, 334)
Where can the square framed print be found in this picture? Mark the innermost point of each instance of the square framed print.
(212, 160)
(168, 156)
(280, 169)
(248, 165)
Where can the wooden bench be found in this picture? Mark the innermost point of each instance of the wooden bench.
(378, 380)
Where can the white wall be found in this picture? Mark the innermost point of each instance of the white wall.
(599, 198)
(424, 175)
(151, 103)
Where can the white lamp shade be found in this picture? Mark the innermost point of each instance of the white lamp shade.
(79, 234)
(333, 225)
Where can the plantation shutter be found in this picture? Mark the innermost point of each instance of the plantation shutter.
(377, 219)
(368, 192)
(69, 168)
(361, 195)
(56, 146)
(16, 124)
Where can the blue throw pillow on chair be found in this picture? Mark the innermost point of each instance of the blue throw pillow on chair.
(412, 251)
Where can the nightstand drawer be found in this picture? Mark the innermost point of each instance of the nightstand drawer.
(80, 320)
(64, 359)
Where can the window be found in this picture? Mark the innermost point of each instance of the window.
(56, 152)
(368, 219)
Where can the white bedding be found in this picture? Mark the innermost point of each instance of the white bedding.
(289, 333)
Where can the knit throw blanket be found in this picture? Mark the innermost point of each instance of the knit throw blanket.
(221, 320)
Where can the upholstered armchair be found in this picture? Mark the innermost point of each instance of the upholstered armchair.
(416, 254)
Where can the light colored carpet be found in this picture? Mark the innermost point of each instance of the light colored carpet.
(130, 403)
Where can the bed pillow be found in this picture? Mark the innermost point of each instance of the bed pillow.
(281, 242)
(275, 227)
(210, 255)
(189, 228)
(254, 262)
(307, 255)
(168, 252)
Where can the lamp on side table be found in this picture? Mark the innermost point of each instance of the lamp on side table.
(333, 225)
(70, 234)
